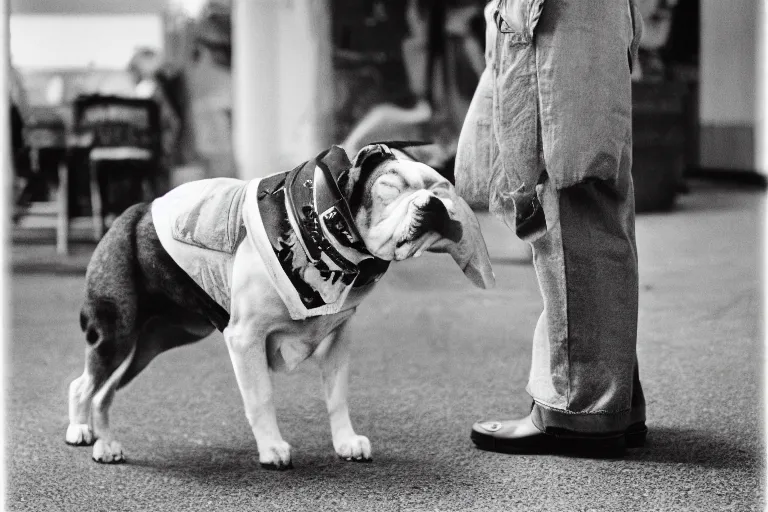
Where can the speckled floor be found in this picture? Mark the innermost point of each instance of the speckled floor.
(432, 355)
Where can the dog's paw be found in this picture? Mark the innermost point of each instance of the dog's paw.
(275, 455)
(354, 448)
(79, 435)
(108, 452)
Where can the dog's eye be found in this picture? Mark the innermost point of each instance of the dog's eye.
(388, 190)
(391, 186)
(442, 190)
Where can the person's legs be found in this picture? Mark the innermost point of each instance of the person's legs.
(575, 56)
(584, 359)
(583, 366)
(584, 375)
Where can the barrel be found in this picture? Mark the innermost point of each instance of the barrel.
(660, 125)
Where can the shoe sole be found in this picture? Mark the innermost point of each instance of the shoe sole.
(636, 435)
(559, 443)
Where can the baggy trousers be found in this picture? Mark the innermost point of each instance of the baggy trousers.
(549, 136)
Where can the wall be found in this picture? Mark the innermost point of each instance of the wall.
(87, 6)
(144, 15)
(761, 139)
(105, 41)
(728, 102)
(282, 68)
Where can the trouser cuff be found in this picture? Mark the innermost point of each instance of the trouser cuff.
(548, 418)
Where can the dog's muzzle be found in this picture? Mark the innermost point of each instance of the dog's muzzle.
(433, 216)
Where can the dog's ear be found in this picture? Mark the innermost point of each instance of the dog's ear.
(363, 166)
(419, 152)
(469, 250)
(402, 145)
(370, 156)
(409, 149)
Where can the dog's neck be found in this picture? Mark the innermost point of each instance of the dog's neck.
(316, 263)
(319, 214)
(326, 282)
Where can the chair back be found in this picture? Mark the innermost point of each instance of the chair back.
(44, 129)
(118, 122)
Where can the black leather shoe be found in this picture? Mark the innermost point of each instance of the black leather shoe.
(555, 441)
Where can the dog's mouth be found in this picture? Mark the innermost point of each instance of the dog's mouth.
(429, 214)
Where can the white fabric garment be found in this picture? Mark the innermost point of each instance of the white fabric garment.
(201, 224)
(197, 224)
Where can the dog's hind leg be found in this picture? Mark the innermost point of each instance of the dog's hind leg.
(109, 320)
(90, 396)
(156, 335)
(111, 339)
(106, 371)
(79, 432)
(106, 449)
(102, 357)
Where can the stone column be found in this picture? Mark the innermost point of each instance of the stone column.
(761, 141)
(282, 87)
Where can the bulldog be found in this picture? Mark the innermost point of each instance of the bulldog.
(278, 264)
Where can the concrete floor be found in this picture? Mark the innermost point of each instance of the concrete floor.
(432, 355)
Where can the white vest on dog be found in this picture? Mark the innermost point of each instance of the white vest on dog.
(201, 224)
(298, 221)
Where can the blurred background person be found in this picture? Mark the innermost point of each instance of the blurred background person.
(437, 51)
(152, 81)
(19, 114)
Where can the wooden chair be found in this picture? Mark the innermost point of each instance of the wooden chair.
(45, 135)
(117, 129)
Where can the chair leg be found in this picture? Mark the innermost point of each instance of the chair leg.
(23, 201)
(62, 221)
(96, 206)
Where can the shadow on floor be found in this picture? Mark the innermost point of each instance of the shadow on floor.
(236, 468)
(667, 445)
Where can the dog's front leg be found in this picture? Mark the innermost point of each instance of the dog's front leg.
(247, 349)
(334, 367)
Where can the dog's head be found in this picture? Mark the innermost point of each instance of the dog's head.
(402, 208)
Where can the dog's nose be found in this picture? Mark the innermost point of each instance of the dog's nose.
(437, 218)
